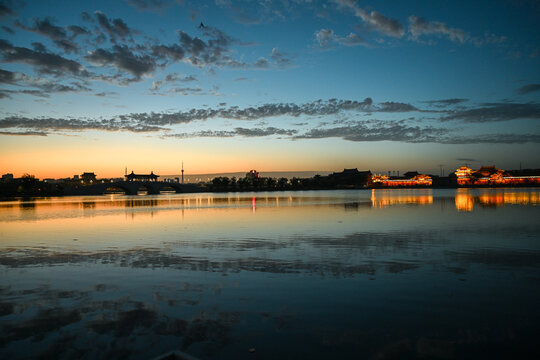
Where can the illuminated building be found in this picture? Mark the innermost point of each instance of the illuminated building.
(418, 180)
(141, 177)
(463, 175)
(490, 175)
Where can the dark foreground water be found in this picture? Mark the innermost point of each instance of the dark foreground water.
(380, 274)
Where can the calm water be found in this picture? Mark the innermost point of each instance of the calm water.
(321, 275)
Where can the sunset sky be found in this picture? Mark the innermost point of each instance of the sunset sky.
(285, 85)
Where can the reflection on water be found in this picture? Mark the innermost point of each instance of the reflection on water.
(387, 197)
(466, 198)
(401, 273)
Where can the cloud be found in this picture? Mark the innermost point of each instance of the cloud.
(261, 63)
(467, 159)
(45, 62)
(492, 112)
(78, 30)
(156, 121)
(24, 133)
(367, 131)
(6, 8)
(239, 131)
(8, 77)
(215, 51)
(280, 59)
(528, 89)
(8, 29)
(374, 19)
(327, 36)
(46, 28)
(493, 139)
(115, 28)
(362, 131)
(445, 102)
(72, 124)
(419, 26)
(172, 52)
(391, 106)
(123, 59)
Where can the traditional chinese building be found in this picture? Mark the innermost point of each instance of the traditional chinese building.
(464, 175)
(141, 177)
(351, 177)
(490, 175)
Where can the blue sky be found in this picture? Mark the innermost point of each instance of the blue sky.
(272, 85)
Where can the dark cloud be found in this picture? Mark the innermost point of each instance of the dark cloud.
(528, 89)
(280, 59)
(46, 28)
(493, 139)
(73, 124)
(8, 77)
(123, 59)
(326, 37)
(39, 47)
(106, 94)
(156, 121)
(383, 131)
(24, 133)
(445, 102)
(4, 95)
(214, 51)
(467, 159)
(172, 52)
(78, 30)
(115, 28)
(239, 131)
(374, 19)
(419, 26)
(391, 106)
(263, 132)
(8, 30)
(185, 90)
(6, 8)
(261, 63)
(44, 61)
(397, 131)
(491, 112)
(67, 45)
(86, 17)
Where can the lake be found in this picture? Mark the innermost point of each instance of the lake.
(352, 274)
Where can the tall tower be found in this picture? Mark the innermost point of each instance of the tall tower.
(182, 171)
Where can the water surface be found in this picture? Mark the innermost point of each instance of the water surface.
(313, 274)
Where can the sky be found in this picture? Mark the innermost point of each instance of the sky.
(284, 85)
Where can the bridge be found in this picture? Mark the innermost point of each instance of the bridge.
(132, 188)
